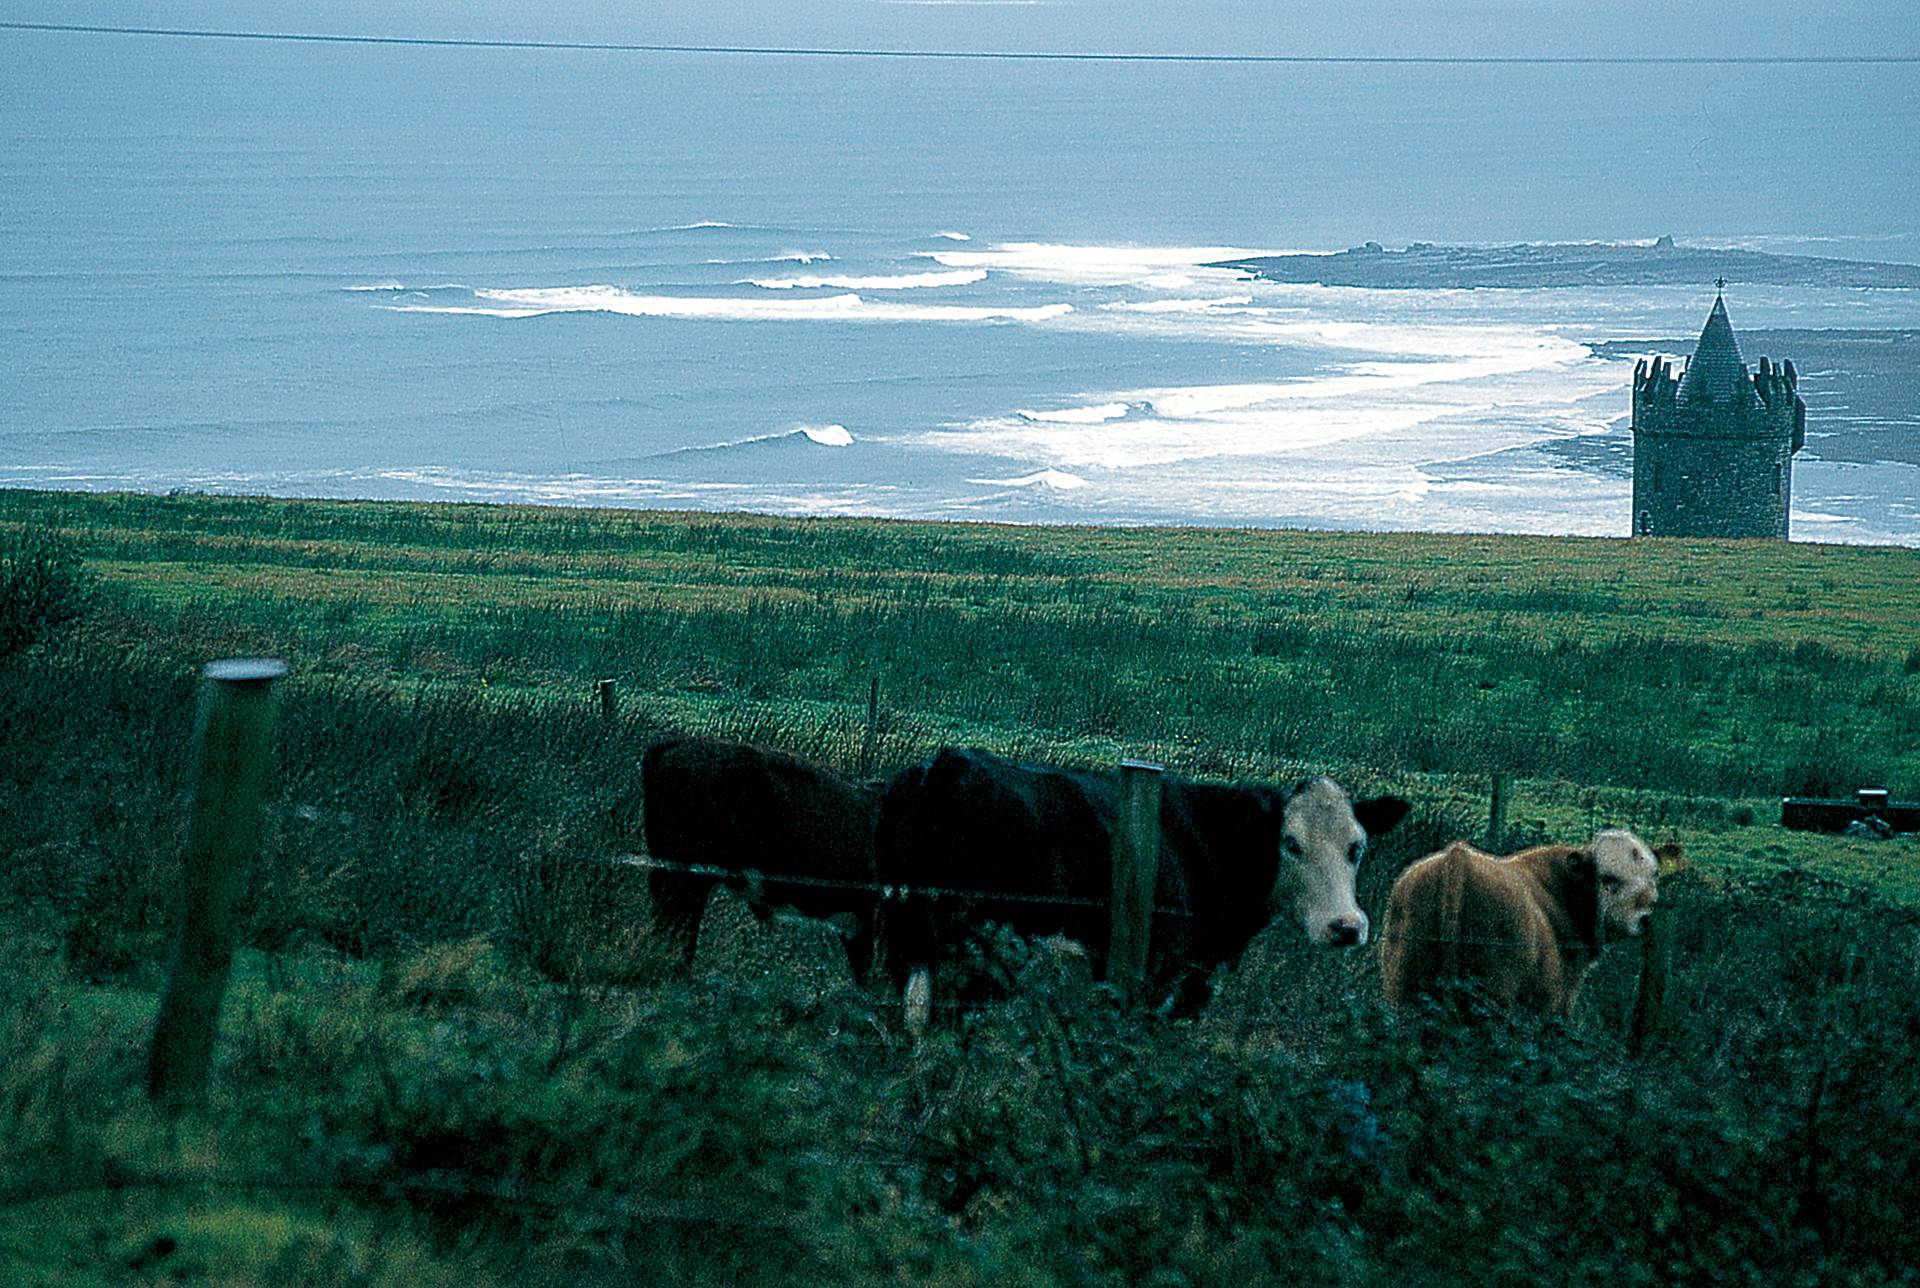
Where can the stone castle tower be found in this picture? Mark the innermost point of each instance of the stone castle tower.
(1713, 449)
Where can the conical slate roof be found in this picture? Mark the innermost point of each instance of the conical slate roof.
(1717, 373)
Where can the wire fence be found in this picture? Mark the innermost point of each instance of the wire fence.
(886, 892)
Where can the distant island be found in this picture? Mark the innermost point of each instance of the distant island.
(1424, 265)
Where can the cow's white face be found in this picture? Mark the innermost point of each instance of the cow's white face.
(1628, 876)
(1322, 841)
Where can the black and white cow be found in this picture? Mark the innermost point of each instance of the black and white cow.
(1232, 860)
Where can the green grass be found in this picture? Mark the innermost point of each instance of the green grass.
(1724, 669)
(452, 1051)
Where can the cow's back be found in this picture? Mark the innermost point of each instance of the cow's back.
(968, 836)
(739, 806)
(1461, 915)
(975, 821)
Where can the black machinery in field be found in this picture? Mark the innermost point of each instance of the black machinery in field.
(1869, 806)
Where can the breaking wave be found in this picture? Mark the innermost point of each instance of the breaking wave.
(1180, 306)
(817, 435)
(877, 282)
(1056, 480)
(1077, 415)
(539, 301)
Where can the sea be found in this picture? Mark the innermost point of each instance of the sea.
(920, 287)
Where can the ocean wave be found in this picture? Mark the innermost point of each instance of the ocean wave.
(1054, 480)
(1206, 305)
(811, 435)
(784, 257)
(401, 288)
(539, 301)
(1077, 415)
(953, 236)
(1156, 267)
(878, 282)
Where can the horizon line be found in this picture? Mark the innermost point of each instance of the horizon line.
(798, 51)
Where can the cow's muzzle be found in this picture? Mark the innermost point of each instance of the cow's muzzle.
(1346, 932)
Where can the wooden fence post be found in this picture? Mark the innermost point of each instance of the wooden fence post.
(233, 744)
(1650, 1006)
(609, 703)
(1497, 812)
(1136, 863)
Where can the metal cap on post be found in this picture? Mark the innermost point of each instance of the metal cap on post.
(233, 750)
(1136, 864)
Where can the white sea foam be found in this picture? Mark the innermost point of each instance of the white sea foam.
(828, 435)
(537, 301)
(877, 282)
(953, 236)
(378, 286)
(1494, 390)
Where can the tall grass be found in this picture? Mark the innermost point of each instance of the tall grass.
(1730, 669)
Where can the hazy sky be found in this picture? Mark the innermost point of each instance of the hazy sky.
(1693, 28)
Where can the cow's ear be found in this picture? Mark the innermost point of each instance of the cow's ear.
(1379, 814)
(1581, 866)
(1671, 857)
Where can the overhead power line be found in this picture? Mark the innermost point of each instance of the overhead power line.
(1044, 56)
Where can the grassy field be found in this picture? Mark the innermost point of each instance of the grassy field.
(454, 1051)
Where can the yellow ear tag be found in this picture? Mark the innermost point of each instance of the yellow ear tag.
(1671, 859)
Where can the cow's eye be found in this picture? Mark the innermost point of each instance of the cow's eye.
(1354, 852)
(1291, 846)
(1609, 880)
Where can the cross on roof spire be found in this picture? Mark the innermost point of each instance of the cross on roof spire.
(1719, 283)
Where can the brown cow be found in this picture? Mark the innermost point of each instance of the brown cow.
(1527, 927)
